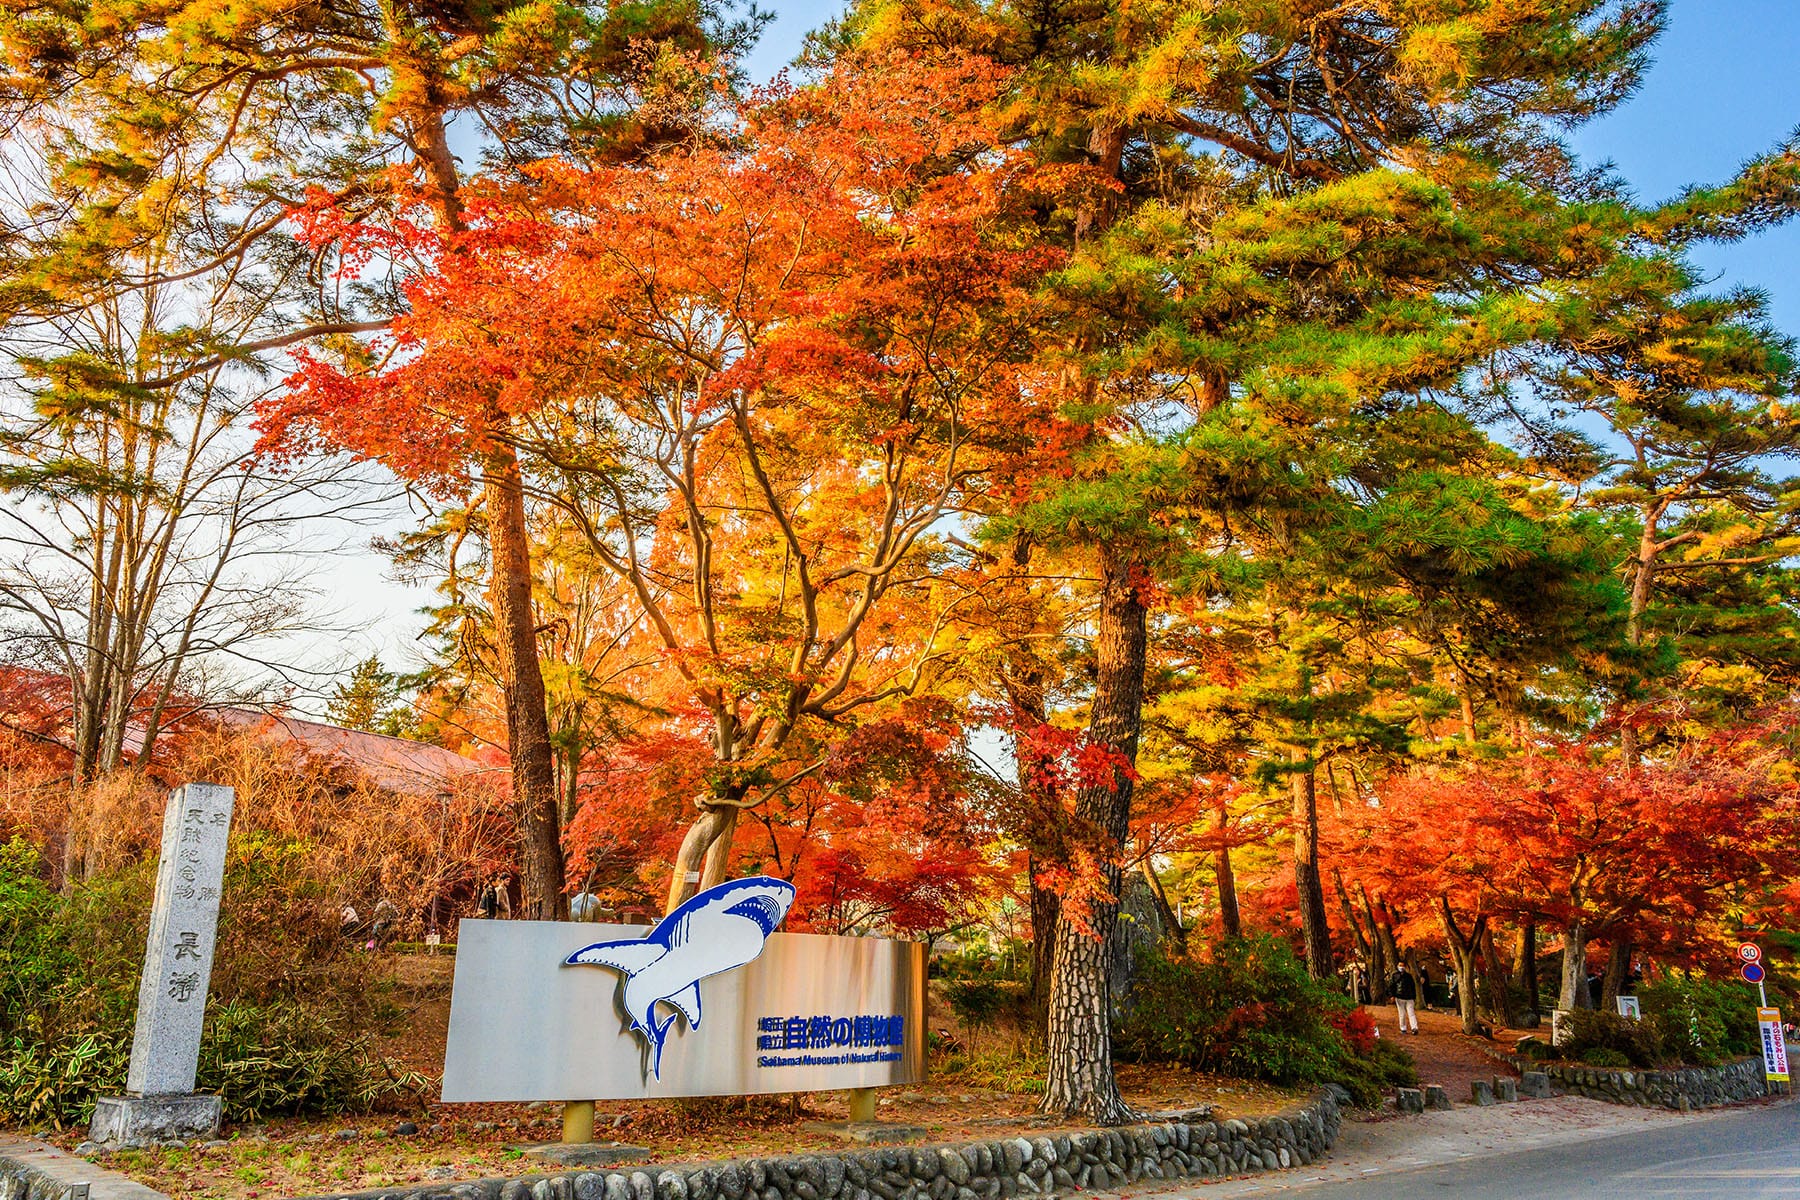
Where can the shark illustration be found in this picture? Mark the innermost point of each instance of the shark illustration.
(719, 929)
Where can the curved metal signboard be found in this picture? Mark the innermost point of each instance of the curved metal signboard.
(711, 1001)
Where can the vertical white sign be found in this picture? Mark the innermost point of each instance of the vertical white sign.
(1775, 1068)
(184, 919)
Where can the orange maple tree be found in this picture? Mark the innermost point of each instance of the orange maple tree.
(757, 373)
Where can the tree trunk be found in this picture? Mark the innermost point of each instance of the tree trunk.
(1462, 953)
(705, 853)
(1643, 576)
(1311, 889)
(1574, 969)
(1382, 958)
(1231, 921)
(1527, 969)
(1499, 980)
(1045, 907)
(1618, 971)
(1025, 680)
(1159, 897)
(1080, 1082)
(1364, 949)
(527, 720)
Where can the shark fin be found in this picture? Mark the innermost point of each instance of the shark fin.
(688, 1001)
(631, 955)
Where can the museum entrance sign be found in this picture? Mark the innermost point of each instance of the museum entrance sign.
(531, 1018)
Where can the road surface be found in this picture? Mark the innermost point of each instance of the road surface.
(1740, 1154)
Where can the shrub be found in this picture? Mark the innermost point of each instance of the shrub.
(1534, 1048)
(1703, 1021)
(43, 1083)
(1602, 1056)
(288, 1061)
(976, 1002)
(1632, 1043)
(290, 1016)
(1019, 1070)
(1252, 1011)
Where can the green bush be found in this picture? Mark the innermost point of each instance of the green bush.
(1534, 1048)
(1253, 1012)
(44, 1083)
(288, 1061)
(1019, 1070)
(1602, 1056)
(977, 1002)
(1637, 1043)
(290, 1016)
(1703, 1021)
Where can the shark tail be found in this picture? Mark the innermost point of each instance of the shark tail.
(659, 1030)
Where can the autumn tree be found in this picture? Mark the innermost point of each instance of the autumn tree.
(745, 346)
(1230, 271)
(167, 126)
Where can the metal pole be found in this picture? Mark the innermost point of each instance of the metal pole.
(1762, 993)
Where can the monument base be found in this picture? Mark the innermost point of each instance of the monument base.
(121, 1121)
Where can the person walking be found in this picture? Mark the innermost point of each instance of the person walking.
(1405, 991)
(488, 903)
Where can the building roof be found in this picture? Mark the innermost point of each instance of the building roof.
(399, 765)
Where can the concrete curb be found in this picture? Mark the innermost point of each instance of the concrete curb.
(34, 1170)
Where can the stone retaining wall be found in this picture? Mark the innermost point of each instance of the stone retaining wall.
(1696, 1087)
(1014, 1167)
(1683, 1090)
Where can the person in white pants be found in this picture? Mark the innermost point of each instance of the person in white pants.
(1405, 992)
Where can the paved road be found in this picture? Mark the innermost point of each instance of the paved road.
(1744, 1154)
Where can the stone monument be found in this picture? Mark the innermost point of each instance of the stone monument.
(160, 1103)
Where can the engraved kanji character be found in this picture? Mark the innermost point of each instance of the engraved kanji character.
(219, 819)
(190, 835)
(187, 946)
(184, 892)
(188, 855)
(187, 874)
(209, 893)
(182, 987)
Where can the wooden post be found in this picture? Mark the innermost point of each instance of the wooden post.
(578, 1122)
(862, 1105)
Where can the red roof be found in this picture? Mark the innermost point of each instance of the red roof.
(399, 765)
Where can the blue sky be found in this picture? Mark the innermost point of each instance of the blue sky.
(1722, 91)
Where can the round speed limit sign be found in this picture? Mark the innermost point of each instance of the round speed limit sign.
(1750, 952)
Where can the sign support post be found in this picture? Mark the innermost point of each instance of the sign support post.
(1768, 1021)
(578, 1122)
(862, 1106)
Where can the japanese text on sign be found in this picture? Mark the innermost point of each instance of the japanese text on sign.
(873, 1035)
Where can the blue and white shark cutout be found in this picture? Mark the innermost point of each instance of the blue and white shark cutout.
(722, 928)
